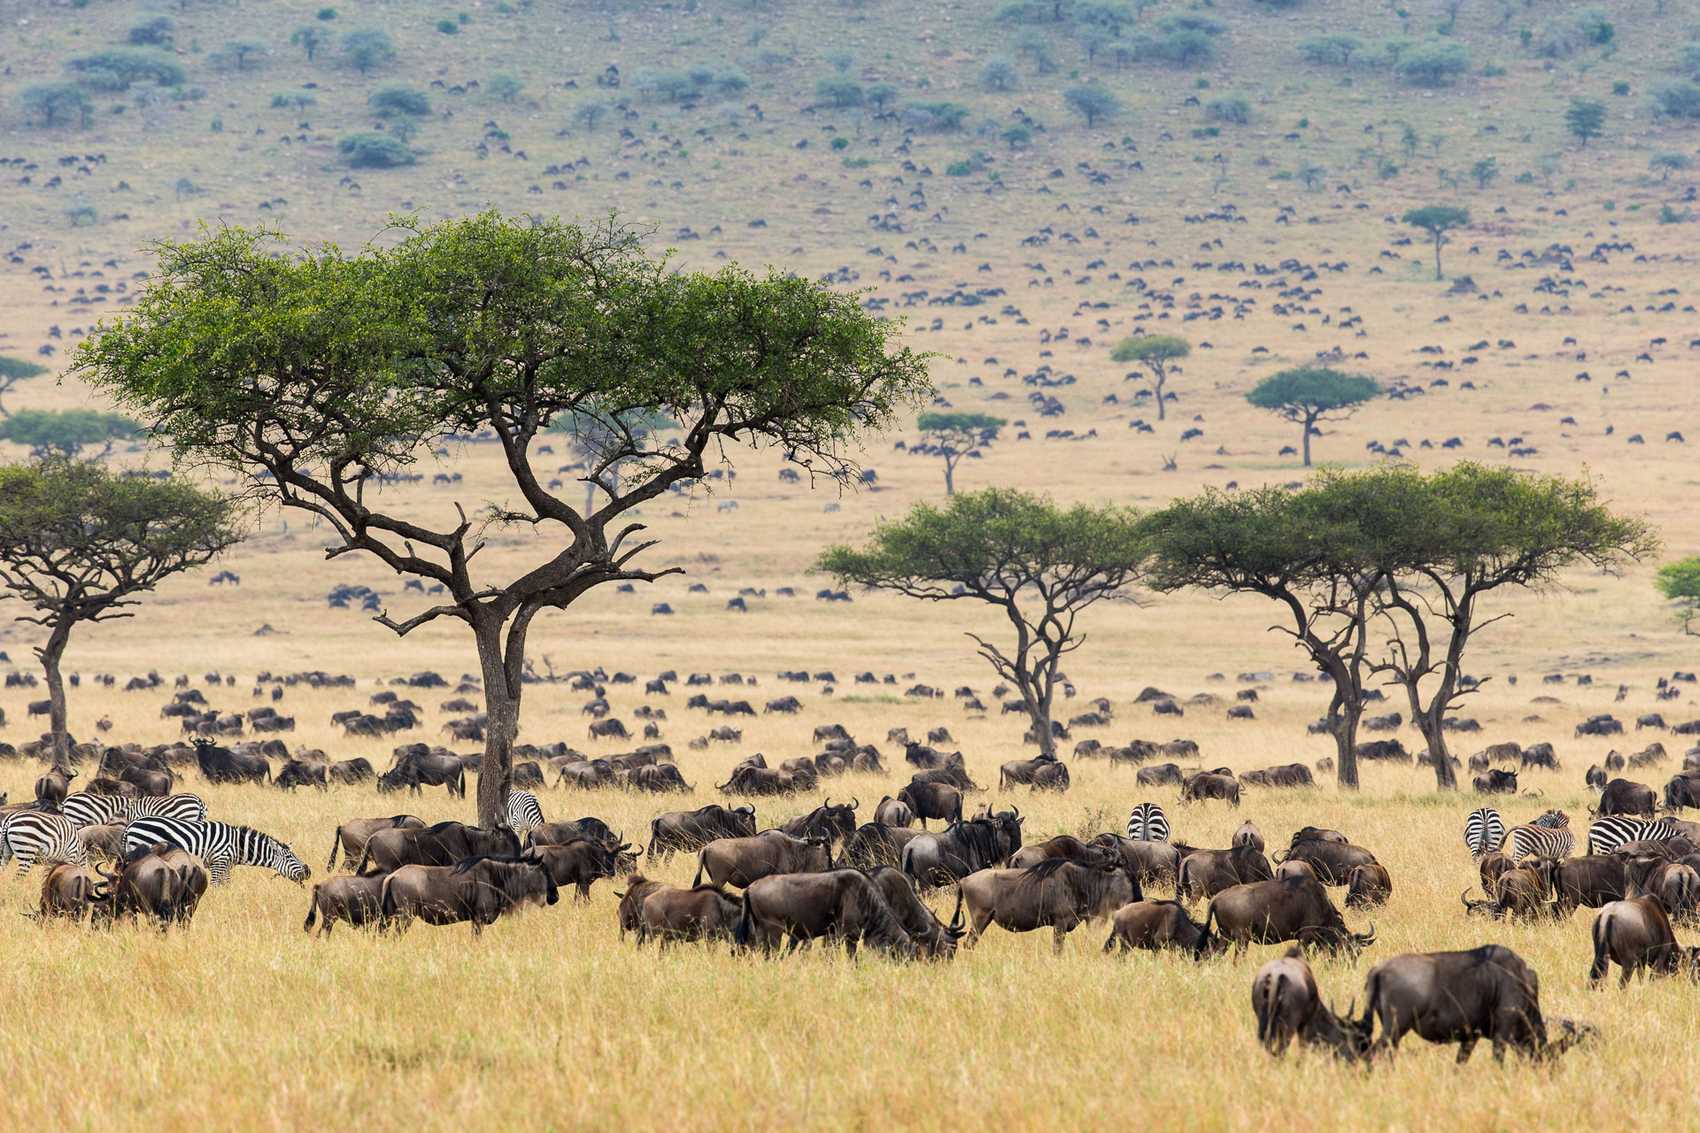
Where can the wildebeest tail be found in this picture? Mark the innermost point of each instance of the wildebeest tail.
(312, 911)
(701, 865)
(1602, 947)
(745, 928)
(336, 844)
(1270, 1010)
(1204, 933)
(386, 899)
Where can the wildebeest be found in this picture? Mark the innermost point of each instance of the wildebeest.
(443, 844)
(357, 900)
(560, 833)
(889, 812)
(1158, 775)
(222, 765)
(687, 831)
(1156, 925)
(1210, 785)
(1496, 782)
(1636, 933)
(74, 891)
(1248, 835)
(1288, 1006)
(1036, 772)
(741, 861)
(1064, 846)
(1208, 872)
(581, 862)
(351, 837)
(53, 786)
(1683, 790)
(107, 839)
(300, 773)
(839, 906)
(751, 780)
(476, 889)
(165, 883)
(933, 938)
(1592, 880)
(1331, 860)
(1151, 862)
(875, 843)
(1283, 775)
(1675, 883)
(932, 800)
(1368, 886)
(1056, 893)
(417, 767)
(1456, 997)
(673, 915)
(963, 848)
(834, 823)
(1625, 796)
(1270, 912)
(1519, 892)
(351, 771)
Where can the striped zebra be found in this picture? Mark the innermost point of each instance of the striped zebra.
(1605, 835)
(85, 809)
(1484, 832)
(220, 845)
(525, 813)
(1548, 836)
(1148, 823)
(38, 835)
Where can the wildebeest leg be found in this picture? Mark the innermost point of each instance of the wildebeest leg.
(1058, 935)
(1468, 1047)
(977, 926)
(583, 893)
(1629, 970)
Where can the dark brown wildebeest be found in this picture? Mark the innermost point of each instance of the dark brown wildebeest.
(1151, 862)
(1683, 790)
(1283, 775)
(1317, 834)
(300, 773)
(74, 891)
(1023, 770)
(418, 766)
(890, 812)
(954, 772)
(444, 844)
(1492, 867)
(164, 883)
(1496, 782)
(101, 785)
(478, 889)
(1595, 778)
(1332, 861)
(1064, 846)
(560, 833)
(192, 880)
(1051, 777)
(348, 772)
(222, 765)
(1457, 997)
(638, 889)
(53, 786)
(1593, 880)
(747, 780)
(965, 847)
(357, 900)
(1636, 933)
(1248, 835)
(1158, 775)
(1368, 886)
(874, 844)
(351, 837)
(1207, 872)
(1288, 1006)
(1272, 912)
(1057, 894)
(106, 840)
(659, 778)
(1156, 925)
(834, 823)
(581, 862)
(1519, 893)
(942, 801)
(1387, 751)
(687, 831)
(674, 916)
(1295, 868)
(839, 906)
(741, 861)
(1625, 796)
(933, 938)
(1210, 785)
(1674, 883)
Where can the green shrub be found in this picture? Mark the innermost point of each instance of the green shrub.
(503, 87)
(300, 99)
(327, 13)
(152, 33)
(1434, 63)
(880, 95)
(1235, 110)
(448, 27)
(397, 102)
(1330, 50)
(1180, 48)
(999, 75)
(840, 144)
(1620, 88)
(1678, 100)
(1017, 136)
(936, 117)
(117, 68)
(840, 93)
(54, 104)
(375, 151)
(368, 49)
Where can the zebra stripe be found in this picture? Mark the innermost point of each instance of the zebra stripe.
(525, 813)
(35, 835)
(1605, 835)
(220, 845)
(85, 809)
(1148, 823)
(1484, 831)
(1552, 820)
(1533, 841)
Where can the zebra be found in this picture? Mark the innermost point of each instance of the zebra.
(85, 809)
(1540, 839)
(220, 845)
(36, 835)
(525, 813)
(1605, 835)
(1148, 823)
(1484, 832)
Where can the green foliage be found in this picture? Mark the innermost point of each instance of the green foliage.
(1585, 118)
(684, 86)
(368, 49)
(999, 75)
(55, 104)
(1620, 88)
(1146, 349)
(241, 51)
(1679, 583)
(840, 93)
(153, 32)
(375, 151)
(1181, 47)
(935, 117)
(448, 27)
(17, 369)
(1664, 164)
(66, 432)
(119, 68)
(588, 114)
(1017, 136)
(1678, 100)
(967, 166)
(309, 39)
(1092, 102)
(1484, 172)
(1235, 110)
(880, 95)
(1437, 221)
(326, 14)
(1309, 395)
(398, 102)
(1569, 34)
(1434, 63)
(503, 87)
(1330, 50)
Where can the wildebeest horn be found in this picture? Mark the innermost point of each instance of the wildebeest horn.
(1364, 940)
(855, 802)
(1469, 905)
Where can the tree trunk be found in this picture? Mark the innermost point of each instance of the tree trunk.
(1437, 274)
(1343, 725)
(501, 726)
(1309, 422)
(50, 655)
(949, 477)
(1158, 383)
(1429, 724)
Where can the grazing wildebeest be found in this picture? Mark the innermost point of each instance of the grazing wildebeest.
(841, 906)
(74, 891)
(1625, 796)
(1057, 893)
(638, 889)
(933, 938)
(1368, 886)
(962, 849)
(53, 786)
(1208, 872)
(1519, 892)
(687, 831)
(1295, 869)
(1156, 925)
(222, 765)
(1151, 862)
(1283, 775)
(1456, 997)
(357, 900)
(1636, 933)
(560, 833)
(1592, 880)
(875, 844)
(1210, 785)
(443, 844)
(1496, 782)
(1270, 912)
(890, 812)
(581, 862)
(351, 771)
(417, 767)
(1288, 1006)
(672, 915)
(1065, 846)
(932, 800)
(1332, 861)
(107, 839)
(834, 823)
(351, 837)
(477, 889)
(1683, 790)
(1675, 883)
(300, 773)
(1025, 771)
(1158, 775)
(163, 882)
(1248, 835)
(740, 861)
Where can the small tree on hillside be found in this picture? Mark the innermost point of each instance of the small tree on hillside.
(1585, 119)
(1157, 353)
(1666, 163)
(79, 544)
(13, 371)
(1679, 582)
(67, 432)
(956, 437)
(1092, 102)
(309, 39)
(1311, 395)
(319, 376)
(53, 104)
(368, 49)
(1037, 563)
(1437, 221)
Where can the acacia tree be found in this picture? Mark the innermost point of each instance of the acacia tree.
(1679, 582)
(1477, 530)
(956, 437)
(79, 544)
(1437, 221)
(1310, 395)
(1041, 565)
(1157, 353)
(593, 438)
(67, 432)
(317, 375)
(13, 371)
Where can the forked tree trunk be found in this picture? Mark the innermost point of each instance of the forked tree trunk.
(1310, 423)
(1343, 726)
(50, 655)
(501, 726)
(1158, 381)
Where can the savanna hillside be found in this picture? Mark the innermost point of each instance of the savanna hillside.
(1025, 185)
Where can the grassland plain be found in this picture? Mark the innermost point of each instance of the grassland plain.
(1020, 272)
